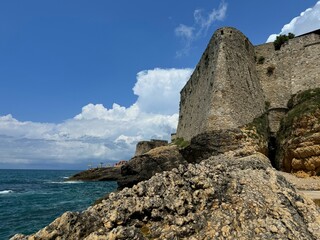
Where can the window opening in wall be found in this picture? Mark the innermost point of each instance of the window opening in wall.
(221, 32)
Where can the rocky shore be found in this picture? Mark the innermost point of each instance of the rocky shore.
(223, 197)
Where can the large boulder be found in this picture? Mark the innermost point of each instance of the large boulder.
(223, 197)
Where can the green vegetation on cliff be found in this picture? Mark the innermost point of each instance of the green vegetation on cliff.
(281, 39)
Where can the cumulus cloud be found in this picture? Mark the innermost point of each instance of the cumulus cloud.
(98, 133)
(308, 21)
(202, 22)
(149, 84)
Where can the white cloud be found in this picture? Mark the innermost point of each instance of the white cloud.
(202, 23)
(98, 133)
(308, 21)
(149, 84)
(184, 31)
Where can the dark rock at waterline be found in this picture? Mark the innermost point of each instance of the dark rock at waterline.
(98, 174)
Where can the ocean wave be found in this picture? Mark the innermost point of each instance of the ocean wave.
(6, 191)
(67, 182)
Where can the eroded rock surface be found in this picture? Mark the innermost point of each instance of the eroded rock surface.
(223, 197)
(144, 166)
(299, 136)
(242, 141)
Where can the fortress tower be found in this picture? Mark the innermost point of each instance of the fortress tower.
(224, 91)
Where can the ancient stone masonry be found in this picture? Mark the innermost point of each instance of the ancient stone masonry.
(293, 68)
(224, 91)
(234, 81)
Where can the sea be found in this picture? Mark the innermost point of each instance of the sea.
(31, 199)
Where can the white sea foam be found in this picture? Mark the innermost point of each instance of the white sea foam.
(67, 182)
(6, 191)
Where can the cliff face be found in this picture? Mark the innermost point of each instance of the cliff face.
(299, 135)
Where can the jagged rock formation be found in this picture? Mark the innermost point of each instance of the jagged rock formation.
(143, 167)
(299, 135)
(220, 198)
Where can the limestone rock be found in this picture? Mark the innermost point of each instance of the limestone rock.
(143, 167)
(299, 135)
(242, 141)
(220, 198)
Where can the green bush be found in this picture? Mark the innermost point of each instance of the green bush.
(281, 39)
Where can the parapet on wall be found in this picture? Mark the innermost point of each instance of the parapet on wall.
(224, 91)
(293, 68)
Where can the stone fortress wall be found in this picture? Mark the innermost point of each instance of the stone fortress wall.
(230, 87)
(293, 68)
(224, 91)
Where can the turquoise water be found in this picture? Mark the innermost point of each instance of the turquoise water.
(31, 199)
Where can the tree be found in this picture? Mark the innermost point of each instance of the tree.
(281, 39)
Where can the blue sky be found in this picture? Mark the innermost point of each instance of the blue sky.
(83, 81)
